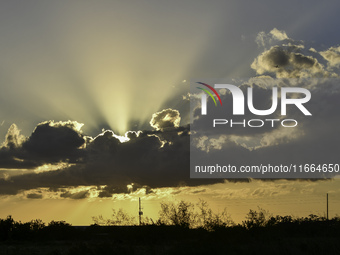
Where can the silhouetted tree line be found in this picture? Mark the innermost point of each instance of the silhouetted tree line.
(177, 218)
(188, 215)
(17, 230)
(183, 214)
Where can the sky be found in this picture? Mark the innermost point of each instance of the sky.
(94, 108)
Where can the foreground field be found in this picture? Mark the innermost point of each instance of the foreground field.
(307, 238)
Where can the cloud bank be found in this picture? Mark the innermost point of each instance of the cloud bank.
(58, 155)
(149, 159)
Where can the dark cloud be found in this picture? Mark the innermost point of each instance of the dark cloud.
(34, 196)
(284, 57)
(198, 191)
(109, 190)
(50, 142)
(53, 142)
(288, 62)
(76, 195)
(11, 152)
(150, 159)
(105, 193)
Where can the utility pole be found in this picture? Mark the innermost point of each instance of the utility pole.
(327, 206)
(141, 212)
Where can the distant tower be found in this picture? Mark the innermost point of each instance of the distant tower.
(327, 206)
(140, 212)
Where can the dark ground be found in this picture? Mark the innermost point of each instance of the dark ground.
(302, 238)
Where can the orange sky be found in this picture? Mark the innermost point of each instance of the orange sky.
(297, 198)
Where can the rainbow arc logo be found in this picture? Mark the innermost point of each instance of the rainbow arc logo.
(209, 93)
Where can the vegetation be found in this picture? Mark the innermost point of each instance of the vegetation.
(182, 228)
(118, 218)
(182, 214)
(187, 215)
